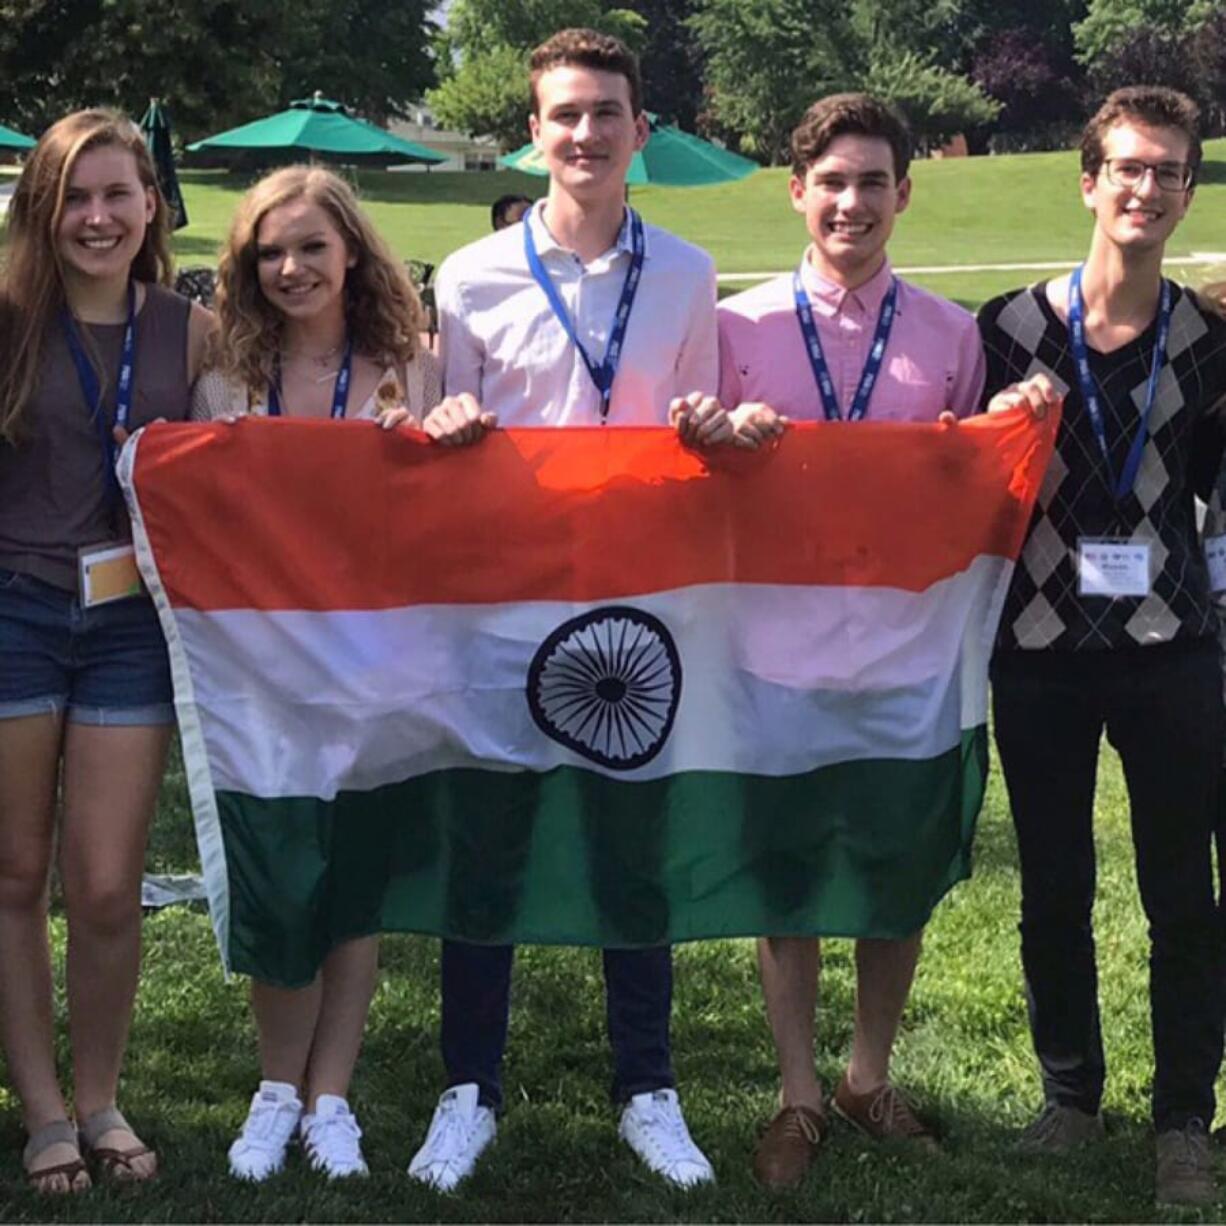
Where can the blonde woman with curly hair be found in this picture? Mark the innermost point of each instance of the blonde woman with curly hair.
(316, 315)
(316, 319)
(92, 345)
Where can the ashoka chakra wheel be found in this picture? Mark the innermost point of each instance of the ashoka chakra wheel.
(606, 685)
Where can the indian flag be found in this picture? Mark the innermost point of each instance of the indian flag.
(578, 686)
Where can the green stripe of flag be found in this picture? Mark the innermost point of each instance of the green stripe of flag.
(863, 848)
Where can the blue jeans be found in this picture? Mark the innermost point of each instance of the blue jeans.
(105, 665)
(476, 981)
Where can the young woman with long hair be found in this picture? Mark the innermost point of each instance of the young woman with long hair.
(316, 319)
(92, 346)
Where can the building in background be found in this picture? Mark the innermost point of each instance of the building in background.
(464, 152)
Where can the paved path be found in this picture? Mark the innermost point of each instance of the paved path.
(1197, 257)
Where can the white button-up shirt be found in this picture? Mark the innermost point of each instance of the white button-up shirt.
(502, 342)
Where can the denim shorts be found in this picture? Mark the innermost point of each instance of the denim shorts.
(105, 665)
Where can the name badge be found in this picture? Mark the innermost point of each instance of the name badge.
(107, 573)
(1112, 568)
(1215, 556)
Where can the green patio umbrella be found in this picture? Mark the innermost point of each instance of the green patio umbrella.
(14, 140)
(155, 128)
(671, 158)
(322, 129)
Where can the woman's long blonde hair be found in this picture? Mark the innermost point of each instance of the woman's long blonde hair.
(32, 280)
(382, 309)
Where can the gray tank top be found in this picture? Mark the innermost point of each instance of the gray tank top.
(54, 496)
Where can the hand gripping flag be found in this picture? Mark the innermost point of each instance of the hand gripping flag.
(578, 686)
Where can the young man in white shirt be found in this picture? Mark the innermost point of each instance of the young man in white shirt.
(582, 315)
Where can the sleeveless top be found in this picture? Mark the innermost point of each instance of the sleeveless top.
(54, 496)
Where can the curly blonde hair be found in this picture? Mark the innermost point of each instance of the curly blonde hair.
(32, 282)
(382, 309)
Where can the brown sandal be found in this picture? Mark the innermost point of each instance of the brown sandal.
(114, 1165)
(58, 1132)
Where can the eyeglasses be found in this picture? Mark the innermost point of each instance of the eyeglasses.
(1129, 172)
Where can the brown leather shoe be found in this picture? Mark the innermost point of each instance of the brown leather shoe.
(883, 1114)
(786, 1149)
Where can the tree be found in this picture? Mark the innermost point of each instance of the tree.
(1109, 24)
(213, 63)
(938, 104)
(765, 65)
(374, 55)
(672, 61)
(1023, 74)
(488, 97)
(483, 58)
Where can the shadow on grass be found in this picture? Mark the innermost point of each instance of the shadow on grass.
(391, 187)
(1211, 172)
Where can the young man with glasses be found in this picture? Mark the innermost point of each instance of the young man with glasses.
(1109, 625)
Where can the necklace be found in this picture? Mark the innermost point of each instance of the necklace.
(316, 359)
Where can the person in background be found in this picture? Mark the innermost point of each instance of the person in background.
(316, 319)
(507, 210)
(92, 345)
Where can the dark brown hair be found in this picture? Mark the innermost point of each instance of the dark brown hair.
(583, 48)
(849, 115)
(1156, 106)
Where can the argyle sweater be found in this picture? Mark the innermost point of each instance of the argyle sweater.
(1022, 335)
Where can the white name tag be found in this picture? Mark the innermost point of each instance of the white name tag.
(107, 572)
(1215, 556)
(1112, 568)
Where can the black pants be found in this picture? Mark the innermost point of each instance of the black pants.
(1162, 710)
(476, 1002)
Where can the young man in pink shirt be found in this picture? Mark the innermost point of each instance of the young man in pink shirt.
(842, 338)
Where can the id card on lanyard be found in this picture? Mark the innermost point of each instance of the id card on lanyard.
(107, 571)
(340, 393)
(601, 375)
(1114, 566)
(817, 357)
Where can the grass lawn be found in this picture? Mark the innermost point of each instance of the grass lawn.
(964, 1054)
(1022, 208)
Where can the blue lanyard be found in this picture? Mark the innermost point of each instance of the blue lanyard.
(91, 389)
(604, 374)
(340, 393)
(1092, 395)
(817, 358)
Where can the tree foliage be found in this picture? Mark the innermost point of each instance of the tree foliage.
(765, 65)
(483, 58)
(767, 60)
(938, 104)
(1110, 24)
(213, 63)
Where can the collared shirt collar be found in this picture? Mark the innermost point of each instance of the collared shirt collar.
(545, 241)
(830, 298)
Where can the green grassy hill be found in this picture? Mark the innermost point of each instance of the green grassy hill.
(1023, 208)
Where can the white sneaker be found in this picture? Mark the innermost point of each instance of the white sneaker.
(259, 1150)
(459, 1131)
(331, 1138)
(653, 1126)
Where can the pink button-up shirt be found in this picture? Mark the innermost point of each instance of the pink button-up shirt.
(933, 362)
